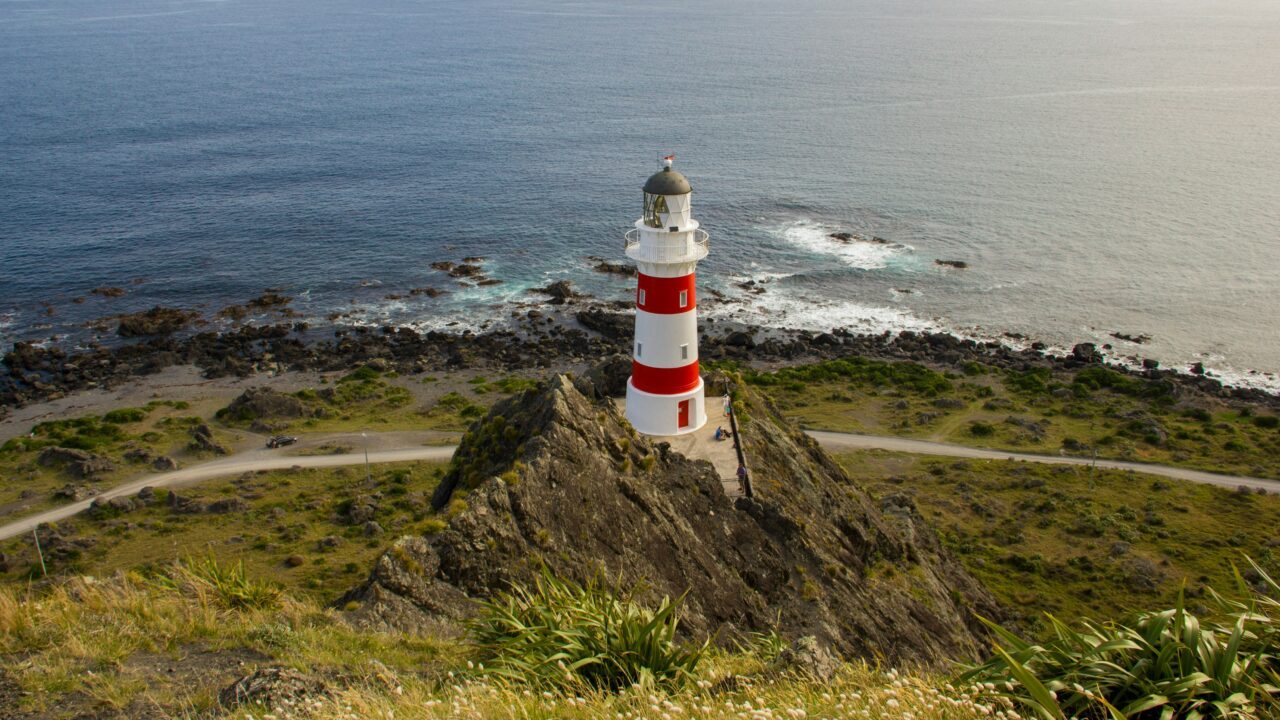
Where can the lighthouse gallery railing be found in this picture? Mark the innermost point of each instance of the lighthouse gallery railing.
(695, 248)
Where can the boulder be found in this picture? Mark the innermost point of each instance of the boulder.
(263, 403)
(164, 463)
(77, 463)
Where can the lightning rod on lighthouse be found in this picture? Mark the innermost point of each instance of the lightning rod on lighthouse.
(665, 392)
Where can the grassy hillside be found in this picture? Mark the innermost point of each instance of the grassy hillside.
(164, 646)
(1076, 542)
(315, 531)
(1087, 412)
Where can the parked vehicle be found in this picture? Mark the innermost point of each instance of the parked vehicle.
(278, 441)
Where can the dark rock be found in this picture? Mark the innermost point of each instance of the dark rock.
(808, 553)
(164, 463)
(74, 493)
(605, 266)
(1135, 339)
(740, 339)
(329, 542)
(957, 264)
(269, 300)
(560, 292)
(226, 506)
(202, 440)
(156, 321)
(112, 506)
(276, 688)
(373, 529)
(108, 291)
(612, 325)
(146, 494)
(428, 291)
(1086, 353)
(1197, 368)
(1149, 364)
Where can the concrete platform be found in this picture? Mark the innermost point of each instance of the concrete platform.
(702, 444)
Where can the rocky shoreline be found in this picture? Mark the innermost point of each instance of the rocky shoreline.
(565, 328)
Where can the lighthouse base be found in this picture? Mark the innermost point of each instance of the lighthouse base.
(666, 414)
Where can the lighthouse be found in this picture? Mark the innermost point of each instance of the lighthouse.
(664, 392)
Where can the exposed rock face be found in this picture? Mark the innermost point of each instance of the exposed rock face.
(556, 476)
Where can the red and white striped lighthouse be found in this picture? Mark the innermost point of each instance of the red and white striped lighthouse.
(664, 393)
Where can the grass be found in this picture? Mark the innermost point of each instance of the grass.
(1079, 543)
(1094, 410)
(304, 528)
(112, 647)
(366, 399)
(125, 436)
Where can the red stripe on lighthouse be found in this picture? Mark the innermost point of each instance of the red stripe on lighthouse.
(662, 294)
(664, 381)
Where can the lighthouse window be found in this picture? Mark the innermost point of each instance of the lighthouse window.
(641, 296)
(684, 352)
(684, 298)
(639, 348)
(654, 207)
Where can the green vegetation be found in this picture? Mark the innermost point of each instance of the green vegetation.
(314, 531)
(1156, 665)
(1092, 411)
(124, 442)
(1079, 543)
(561, 634)
(132, 646)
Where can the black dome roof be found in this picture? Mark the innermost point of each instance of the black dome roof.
(667, 182)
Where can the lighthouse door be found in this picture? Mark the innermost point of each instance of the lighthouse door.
(682, 414)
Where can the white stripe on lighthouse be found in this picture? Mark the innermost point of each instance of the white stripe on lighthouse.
(660, 337)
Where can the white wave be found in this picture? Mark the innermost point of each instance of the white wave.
(784, 310)
(864, 254)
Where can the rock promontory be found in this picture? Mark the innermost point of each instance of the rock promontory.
(555, 477)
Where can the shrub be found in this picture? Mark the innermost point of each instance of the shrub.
(559, 633)
(1156, 665)
(226, 585)
(981, 429)
(125, 415)
(364, 374)
(1267, 421)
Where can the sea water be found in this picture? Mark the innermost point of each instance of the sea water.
(1102, 166)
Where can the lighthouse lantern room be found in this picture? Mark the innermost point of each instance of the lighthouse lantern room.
(664, 393)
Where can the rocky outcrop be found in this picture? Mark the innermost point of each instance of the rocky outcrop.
(76, 463)
(556, 477)
(262, 403)
(156, 321)
(202, 440)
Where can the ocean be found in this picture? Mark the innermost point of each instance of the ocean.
(1101, 166)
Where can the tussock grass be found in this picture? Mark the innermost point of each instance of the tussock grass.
(1166, 664)
(558, 633)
